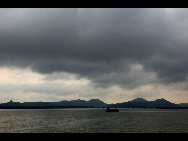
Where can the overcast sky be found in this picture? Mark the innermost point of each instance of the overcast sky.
(114, 55)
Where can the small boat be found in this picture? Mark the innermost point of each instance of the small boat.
(112, 110)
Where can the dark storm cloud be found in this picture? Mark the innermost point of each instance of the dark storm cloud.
(99, 44)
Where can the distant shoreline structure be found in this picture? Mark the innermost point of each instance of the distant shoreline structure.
(94, 103)
(42, 107)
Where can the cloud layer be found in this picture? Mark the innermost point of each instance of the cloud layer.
(108, 47)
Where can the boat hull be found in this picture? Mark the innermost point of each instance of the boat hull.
(112, 110)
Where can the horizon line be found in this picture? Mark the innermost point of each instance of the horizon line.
(95, 99)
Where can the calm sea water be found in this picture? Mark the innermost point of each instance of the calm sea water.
(93, 120)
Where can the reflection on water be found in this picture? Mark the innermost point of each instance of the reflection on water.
(93, 120)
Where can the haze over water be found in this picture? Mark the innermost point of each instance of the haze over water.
(93, 120)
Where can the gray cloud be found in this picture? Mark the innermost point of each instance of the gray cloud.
(46, 88)
(98, 44)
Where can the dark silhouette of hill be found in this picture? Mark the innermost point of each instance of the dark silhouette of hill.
(184, 104)
(96, 103)
(138, 100)
(64, 103)
(142, 103)
(162, 103)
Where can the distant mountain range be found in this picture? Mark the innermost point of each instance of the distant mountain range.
(142, 103)
(96, 103)
(62, 104)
